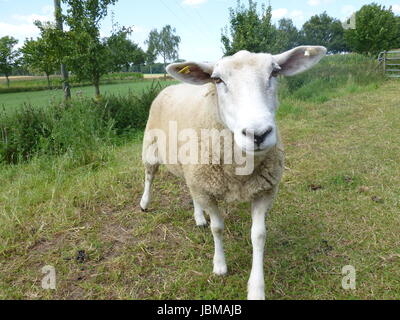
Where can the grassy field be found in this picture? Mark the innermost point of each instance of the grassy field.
(338, 205)
(11, 101)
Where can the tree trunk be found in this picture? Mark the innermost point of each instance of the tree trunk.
(48, 80)
(97, 88)
(64, 71)
(8, 81)
(165, 69)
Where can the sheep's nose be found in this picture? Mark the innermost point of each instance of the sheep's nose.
(259, 138)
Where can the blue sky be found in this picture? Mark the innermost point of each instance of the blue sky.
(198, 22)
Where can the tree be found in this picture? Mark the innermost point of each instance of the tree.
(89, 55)
(124, 52)
(249, 30)
(325, 31)
(377, 29)
(164, 43)
(60, 31)
(287, 35)
(8, 56)
(398, 29)
(39, 56)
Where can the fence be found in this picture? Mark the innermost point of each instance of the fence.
(390, 60)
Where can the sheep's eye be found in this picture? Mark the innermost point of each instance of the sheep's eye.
(218, 80)
(274, 73)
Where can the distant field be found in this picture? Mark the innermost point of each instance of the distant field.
(20, 78)
(43, 79)
(11, 101)
(149, 76)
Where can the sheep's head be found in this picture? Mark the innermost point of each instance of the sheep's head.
(246, 84)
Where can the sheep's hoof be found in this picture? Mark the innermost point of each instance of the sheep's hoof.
(256, 296)
(144, 210)
(220, 270)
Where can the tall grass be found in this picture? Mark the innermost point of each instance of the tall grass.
(331, 76)
(78, 128)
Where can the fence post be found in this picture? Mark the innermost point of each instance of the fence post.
(384, 62)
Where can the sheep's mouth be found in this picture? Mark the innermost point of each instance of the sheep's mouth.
(259, 151)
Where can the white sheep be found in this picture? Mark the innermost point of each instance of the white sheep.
(238, 95)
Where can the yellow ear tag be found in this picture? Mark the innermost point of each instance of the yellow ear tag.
(185, 70)
(311, 52)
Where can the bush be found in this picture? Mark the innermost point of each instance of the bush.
(21, 133)
(130, 111)
(78, 128)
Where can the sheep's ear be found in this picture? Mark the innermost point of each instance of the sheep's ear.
(299, 59)
(192, 72)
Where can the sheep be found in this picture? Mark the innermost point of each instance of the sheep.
(237, 95)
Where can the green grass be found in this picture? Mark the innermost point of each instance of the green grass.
(347, 146)
(12, 101)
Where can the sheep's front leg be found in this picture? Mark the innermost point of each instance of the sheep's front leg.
(256, 286)
(217, 228)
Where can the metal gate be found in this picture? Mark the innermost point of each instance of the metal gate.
(390, 61)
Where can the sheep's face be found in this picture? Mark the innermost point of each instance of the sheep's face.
(247, 97)
(246, 85)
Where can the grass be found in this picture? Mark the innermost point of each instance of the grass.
(338, 205)
(12, 101)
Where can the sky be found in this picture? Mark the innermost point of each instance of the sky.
(197, 22)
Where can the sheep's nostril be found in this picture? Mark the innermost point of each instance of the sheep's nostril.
(269, 131)
(259, 139)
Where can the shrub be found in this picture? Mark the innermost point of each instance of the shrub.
(78, 128)
(130, 111)
(22, 132)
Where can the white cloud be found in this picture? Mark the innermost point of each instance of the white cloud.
(296, 15)
(193, 2)
(279, 13)
(315, 3)
(31, 18)
(396, 8)
(18, 31)
(22, 26)
(348, 10)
